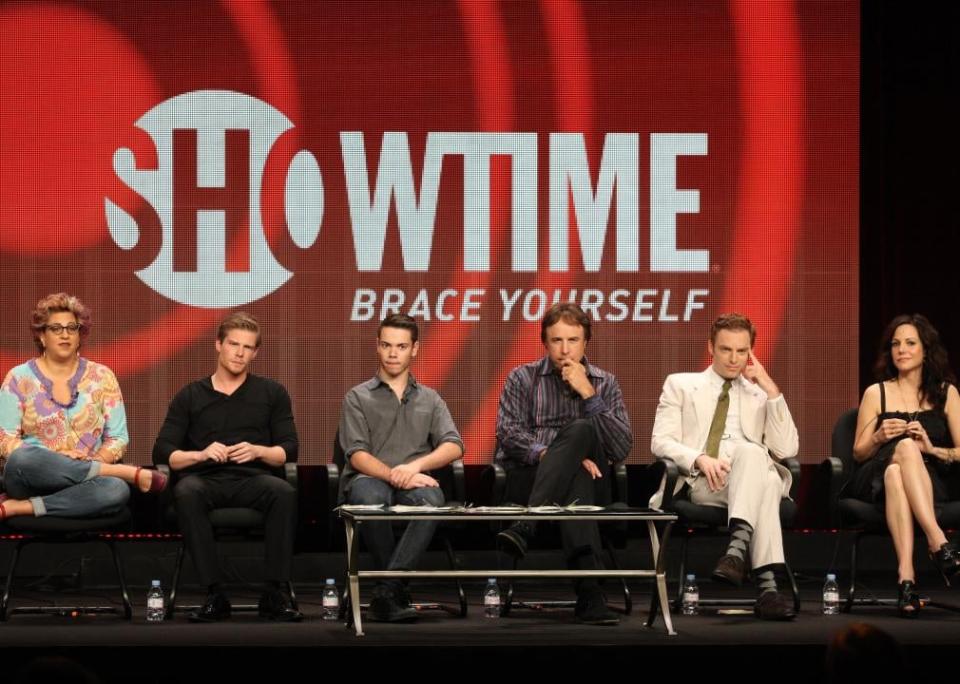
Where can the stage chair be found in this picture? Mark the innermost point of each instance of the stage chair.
(453, 483)
(711, 521)
(228, 524)
(50, 529)
(861, 518)
(513, 486)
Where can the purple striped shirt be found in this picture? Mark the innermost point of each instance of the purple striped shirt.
(536, 404)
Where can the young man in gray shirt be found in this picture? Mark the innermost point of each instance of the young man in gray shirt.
(393, 432)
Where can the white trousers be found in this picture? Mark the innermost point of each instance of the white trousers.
(752, 494)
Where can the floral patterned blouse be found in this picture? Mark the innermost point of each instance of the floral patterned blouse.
(94, 421)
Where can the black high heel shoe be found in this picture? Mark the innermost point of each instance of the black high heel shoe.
(908, 600)
(947, 561)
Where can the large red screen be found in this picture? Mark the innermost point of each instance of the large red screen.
(321, 163)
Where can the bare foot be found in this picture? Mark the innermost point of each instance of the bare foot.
(11, 508)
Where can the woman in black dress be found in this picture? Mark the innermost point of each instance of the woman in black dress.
(907, 427)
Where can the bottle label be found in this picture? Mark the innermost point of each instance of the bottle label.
(331, 602)
(831, 597)
(691, 596)
(155, 603)
(491, 600)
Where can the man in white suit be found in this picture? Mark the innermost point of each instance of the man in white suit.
(726, 429)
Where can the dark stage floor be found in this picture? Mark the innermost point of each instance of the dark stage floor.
(245, 649)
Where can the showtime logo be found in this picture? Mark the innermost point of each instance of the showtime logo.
(212, 148)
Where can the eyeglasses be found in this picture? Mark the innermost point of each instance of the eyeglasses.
(56, 328)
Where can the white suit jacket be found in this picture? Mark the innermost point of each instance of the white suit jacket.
(685, 412)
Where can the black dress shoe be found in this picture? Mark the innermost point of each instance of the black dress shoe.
(275, 607)
(214, 609)
(592, 610)
(731, 570)
(772, 605)
(515, 540)
(947, 560)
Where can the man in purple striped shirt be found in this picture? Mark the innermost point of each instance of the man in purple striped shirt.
(567, 418)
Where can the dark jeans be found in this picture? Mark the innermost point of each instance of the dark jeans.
(562, 479)
(388, 554)
(196, 495)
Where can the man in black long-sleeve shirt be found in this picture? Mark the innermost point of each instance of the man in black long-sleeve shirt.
(225, 433)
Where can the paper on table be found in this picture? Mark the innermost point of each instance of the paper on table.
(496, 509)
(419, 509)
(361, 507)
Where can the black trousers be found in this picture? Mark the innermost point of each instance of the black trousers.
(197, 494)
(562, 479)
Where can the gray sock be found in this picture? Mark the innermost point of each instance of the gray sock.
(766, 581)
(740, 534)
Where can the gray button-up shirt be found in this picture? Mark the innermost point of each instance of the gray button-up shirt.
(395, 431)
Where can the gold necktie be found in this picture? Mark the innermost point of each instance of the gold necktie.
(719, 422)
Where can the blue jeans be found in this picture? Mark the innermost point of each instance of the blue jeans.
(59, 485)
(388, 554)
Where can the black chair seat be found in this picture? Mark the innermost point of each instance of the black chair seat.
(857, 514)
(696, 515)
(54, 525)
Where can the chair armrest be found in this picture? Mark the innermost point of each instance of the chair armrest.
(835, 474)
(498, 477)
(670, 472)
(459, 481)
(290, 474)
(165, 499)
(333, 485)
(793, 465)
(620, 483)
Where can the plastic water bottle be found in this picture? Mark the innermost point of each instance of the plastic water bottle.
(691, 596)
(156, 605)
(491, 599)
(331, 601)
(831, 596)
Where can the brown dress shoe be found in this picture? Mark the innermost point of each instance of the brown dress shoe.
(772, 605)
(730, 570)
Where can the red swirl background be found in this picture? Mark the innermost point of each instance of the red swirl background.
(774, 84)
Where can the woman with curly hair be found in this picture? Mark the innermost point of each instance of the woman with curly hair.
(907, 427)
(63, 428)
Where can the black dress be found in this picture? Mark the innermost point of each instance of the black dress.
(867, 481)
